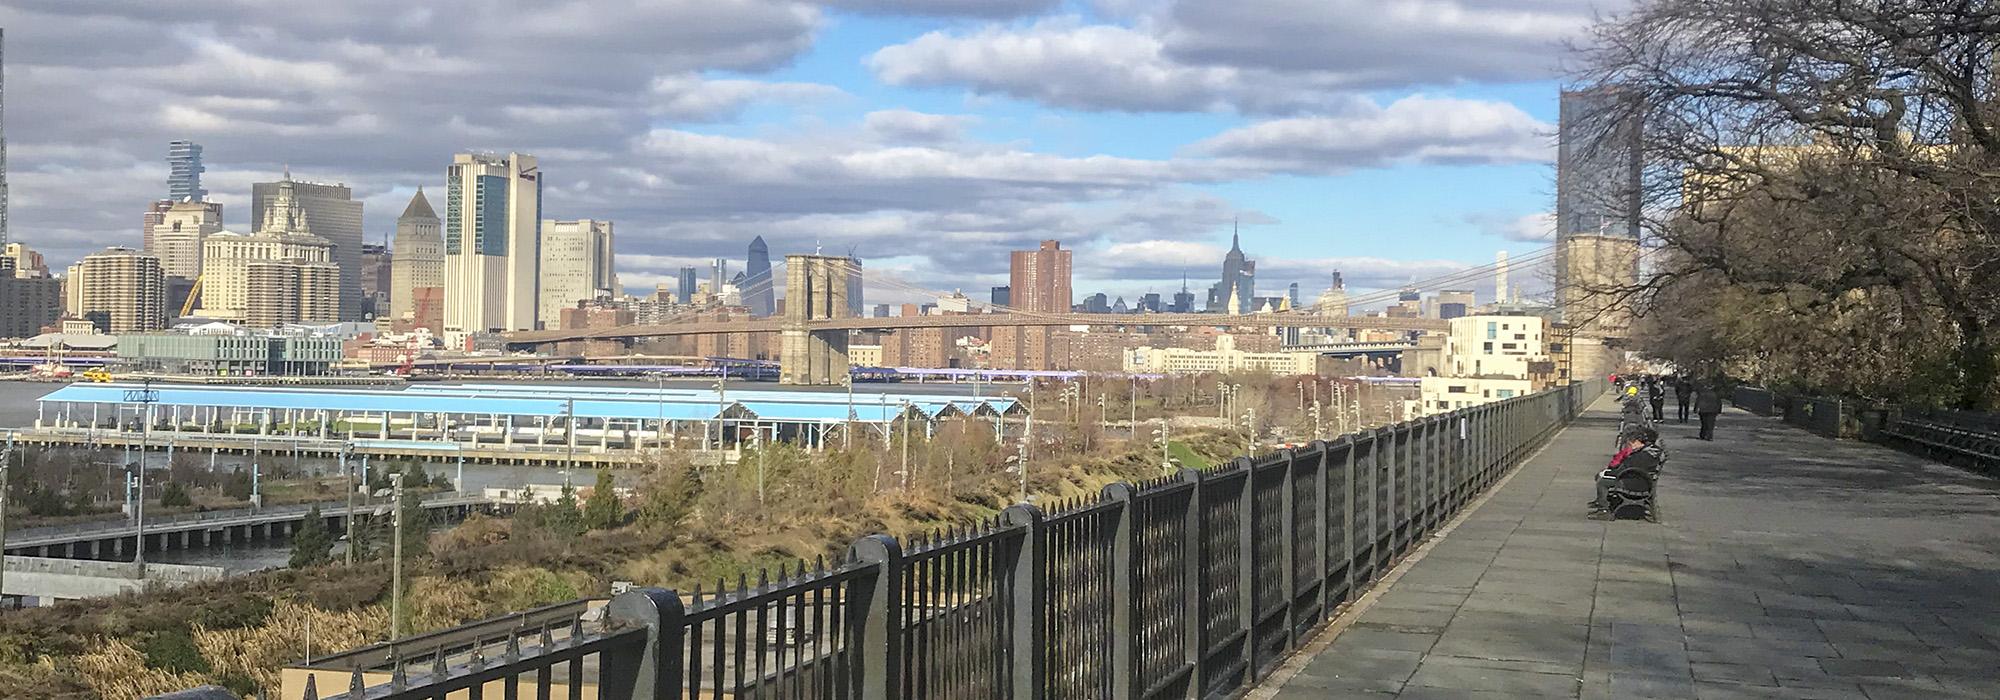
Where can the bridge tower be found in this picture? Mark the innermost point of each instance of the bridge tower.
(815, 290)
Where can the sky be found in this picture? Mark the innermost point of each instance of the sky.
(1392, 140)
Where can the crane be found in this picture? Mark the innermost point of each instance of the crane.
(187, 307)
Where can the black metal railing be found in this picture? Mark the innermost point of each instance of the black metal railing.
(1191, 584)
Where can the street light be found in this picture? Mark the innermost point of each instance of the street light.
(145, 397)
(1250, 420)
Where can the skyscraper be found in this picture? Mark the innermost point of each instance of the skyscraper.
(281, 290)
(184, 171)
(1597, 207)
(1292, 294)
(492, 244)
(416, 262)
(1039, 280)
(177, 238)
(3, 142)
(377, 279)
(121, 290)
(689, 282)
(757, 287)
(1237, 290)
(1003, 296)
(576, 265)
(1183, 299)
(1333, 301)
(336, 217)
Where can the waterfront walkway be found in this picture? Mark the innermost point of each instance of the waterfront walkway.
(1785, 565)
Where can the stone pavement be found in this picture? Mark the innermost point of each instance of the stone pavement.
(1785, 565)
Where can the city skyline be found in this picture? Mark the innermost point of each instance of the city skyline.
(875, 131)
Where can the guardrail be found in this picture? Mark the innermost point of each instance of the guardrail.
(1189, 585)
(34, 536)
(1963, 438)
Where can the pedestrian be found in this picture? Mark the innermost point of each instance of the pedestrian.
(1656, 394)
(1707, 405)
(1683, 393)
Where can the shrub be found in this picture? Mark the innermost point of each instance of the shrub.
(173, 651)
(174, 495)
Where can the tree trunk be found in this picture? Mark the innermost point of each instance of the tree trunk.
(1977, 364)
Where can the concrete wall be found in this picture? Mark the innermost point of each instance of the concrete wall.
(72, 579)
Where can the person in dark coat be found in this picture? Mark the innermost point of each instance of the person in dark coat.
(1683, 393)
(1641, 451)
(1656, 394)
(1707, 405)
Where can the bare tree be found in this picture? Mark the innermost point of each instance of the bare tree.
(1838, 156)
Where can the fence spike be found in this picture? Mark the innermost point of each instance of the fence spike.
(819, 563)
(513, 648)
(397, 679)
(697, 592)
(721, 588)
(547, 640)
(312, 688)
(355, 686)
(478, 661)
(438, 669)
(742, 584)
(575, 630)
(764, 579)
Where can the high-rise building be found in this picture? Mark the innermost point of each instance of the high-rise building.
(291, 291)
(1040, 279)
(228, 289)
(1597, 205)
(416, 262)
(28, 264)
(121, 290)
(3, 145)
(1455, 303)
(1237, 290)
(1002, 296)
(718, 275)
(178, 236)
(184, 171)
(1099, 303)
(336, 217)
(1183, 299)
(576, 265)
(759, 290)
(492, 243)
(32, 301)
(1149, 303)
(688, 283)
(377, 276)
(1292, 294)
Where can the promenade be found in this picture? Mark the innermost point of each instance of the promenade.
(1785, 565)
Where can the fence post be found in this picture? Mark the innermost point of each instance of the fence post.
(652, 670)
(1030, 596)
(1347, 512)
(1288, 554)
(1195, 642)
(1246, 555)
(1125, 683)
(1321, 505)
(875, 633)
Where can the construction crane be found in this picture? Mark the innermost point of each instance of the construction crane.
(187, 307)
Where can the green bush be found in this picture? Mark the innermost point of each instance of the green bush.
(173, 651)
(174, 495)
(233, 612)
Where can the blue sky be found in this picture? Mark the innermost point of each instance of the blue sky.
(1393, 139)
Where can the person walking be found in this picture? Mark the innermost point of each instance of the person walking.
(1707, 405)
(1656, 394)
(1683, 393)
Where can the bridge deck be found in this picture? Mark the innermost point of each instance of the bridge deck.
(1785, 566)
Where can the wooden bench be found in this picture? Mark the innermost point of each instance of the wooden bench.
(1979, 447)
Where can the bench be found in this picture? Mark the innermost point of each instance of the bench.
(1979, 447)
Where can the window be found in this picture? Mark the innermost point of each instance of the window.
(1489, 347)
(1492, 330)
(1455, 389)
(1507, 346)
(1520, 336)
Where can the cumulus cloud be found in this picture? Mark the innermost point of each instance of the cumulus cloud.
(1414, 129)
(908, 126)
(1272, 57)
(1065, 63)
(946, 8)
(1530, 228)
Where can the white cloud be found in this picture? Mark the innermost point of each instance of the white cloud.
(946, 8)
(1530, 228)
(1416, 129)
(902, 125)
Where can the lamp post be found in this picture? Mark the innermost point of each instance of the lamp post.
(1250, 421)
(346, 449)
(145, 397)
(569, 433)
(396, 578)
(6, 459)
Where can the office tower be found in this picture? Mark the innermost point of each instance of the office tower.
(416, 262)
(759, 290)
(880, 311)
(492, 243)
(336, 217)
(684, 294)
(1099, 303)
(3, 142)
(228, 289)
(1292, 294)
(1238, 281)
(1333, 301)
(1597, 206)
(1040, 279)
(377, 268)
(1455, 303)
(184, 171)
(32, 301)
(1149, 302)
(1183, 299)
(576, 265)
(121, 290)
(177, 238)
(28, 264)
(1002, 296)
(718, 275)
(1500, 278)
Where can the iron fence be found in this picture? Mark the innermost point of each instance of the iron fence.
(1193, 584)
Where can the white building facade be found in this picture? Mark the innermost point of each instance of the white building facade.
(178, 237)
(492, 245)
(576, 265)
(1224, 358)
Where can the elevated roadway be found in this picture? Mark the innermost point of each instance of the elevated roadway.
(767, 325)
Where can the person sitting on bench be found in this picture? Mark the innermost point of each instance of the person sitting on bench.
(1633, 472)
